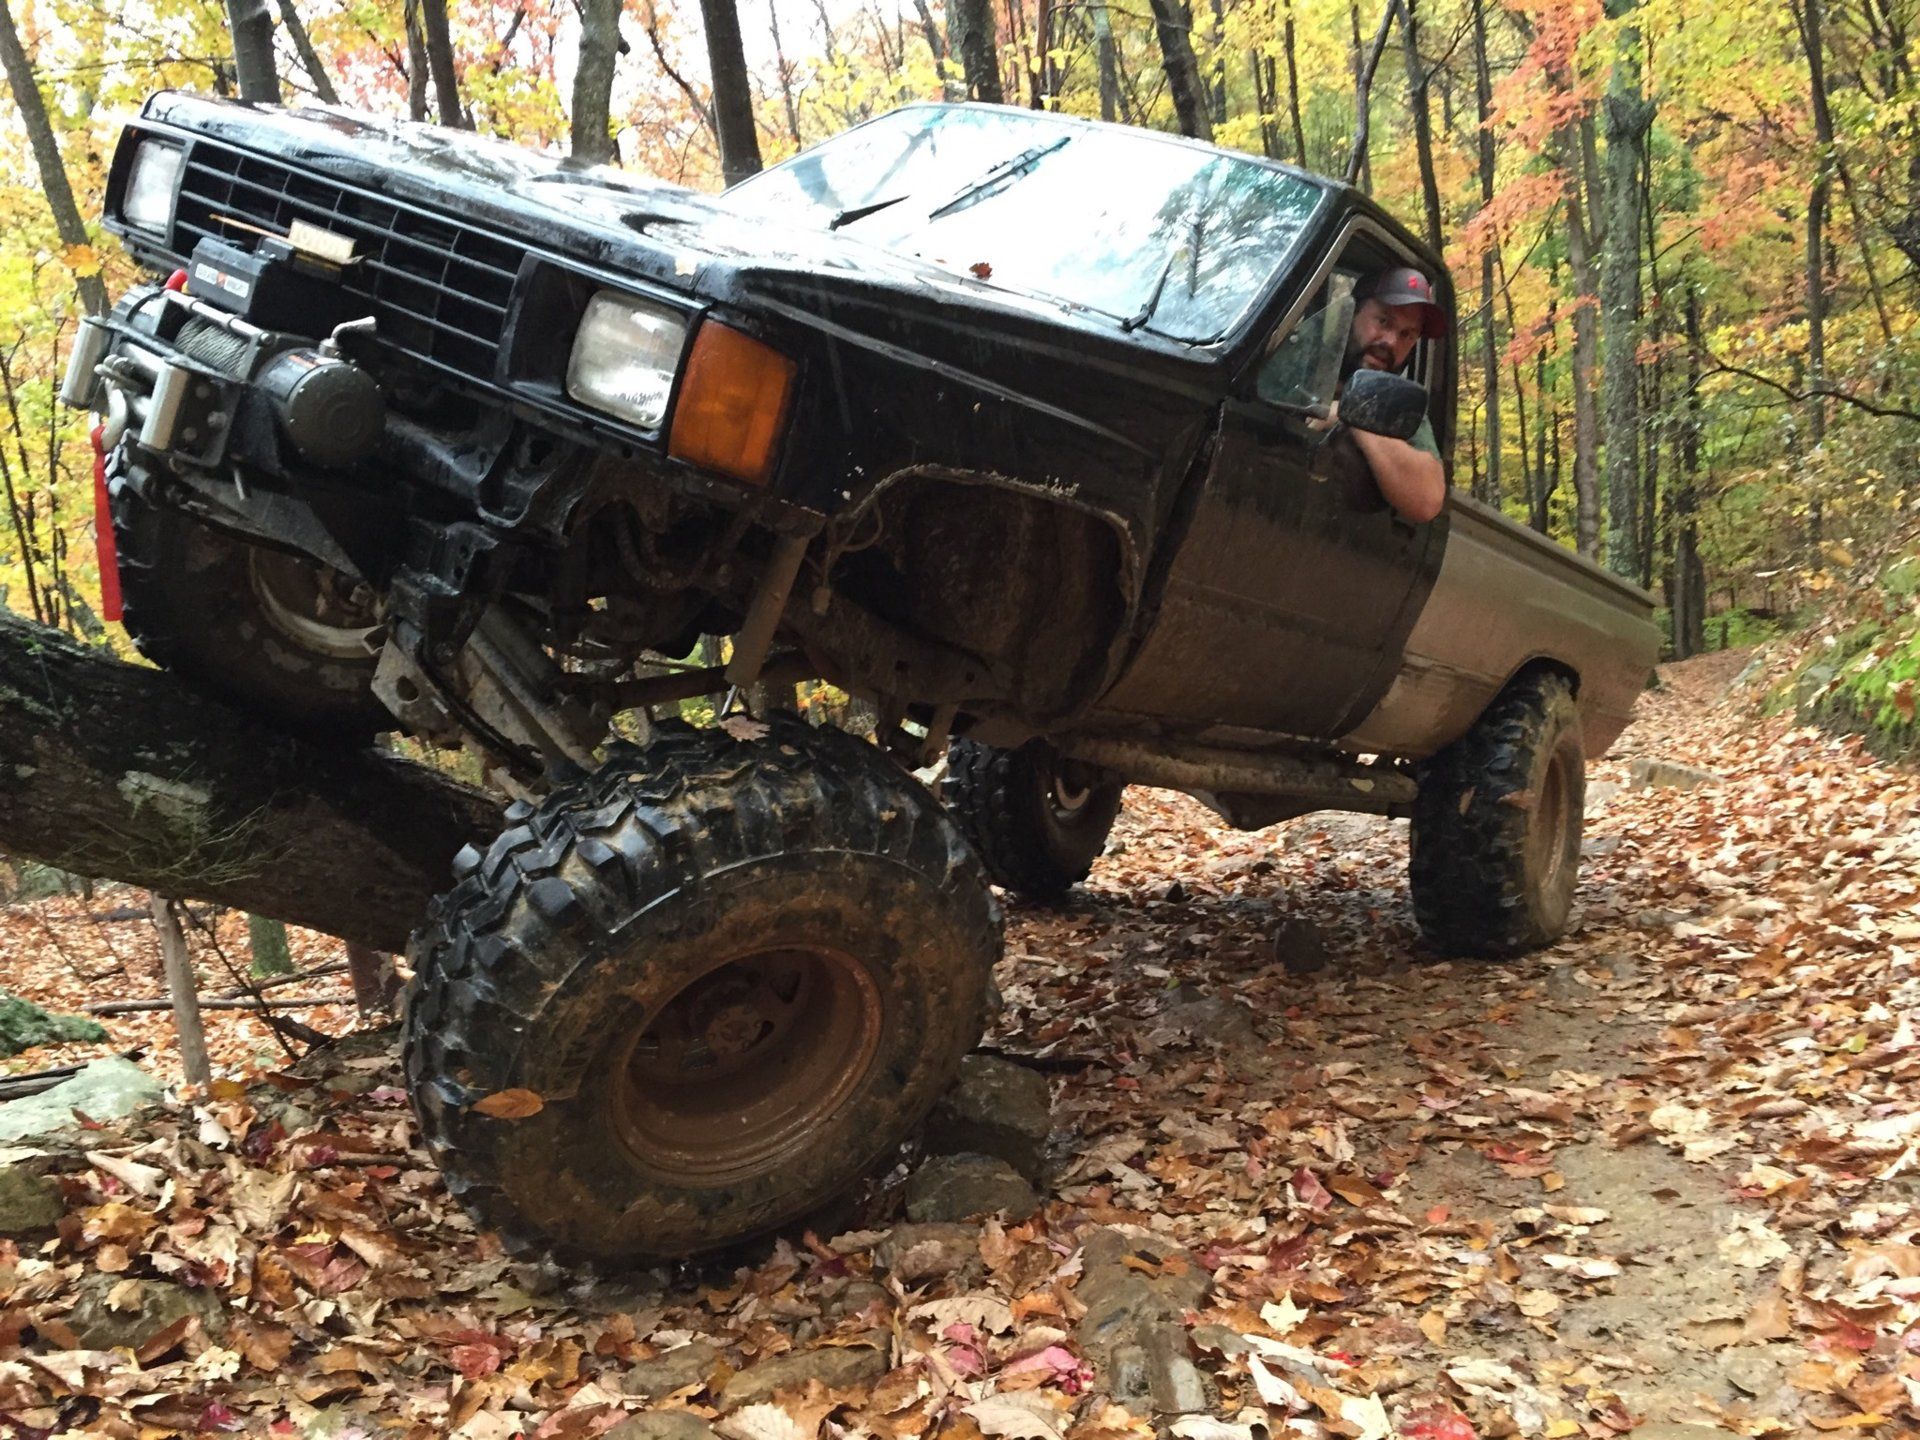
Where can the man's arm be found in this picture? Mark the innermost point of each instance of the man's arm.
(1412, 480)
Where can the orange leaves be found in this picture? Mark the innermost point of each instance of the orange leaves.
(510, 1105)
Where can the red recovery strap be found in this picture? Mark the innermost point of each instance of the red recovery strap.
(103, 545)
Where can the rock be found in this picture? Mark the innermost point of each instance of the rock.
(913, 1253)
(958, 1187)
(831, 1365)
(29, 1201)
(149, 1307)
(24, 1025)
(688, 1364)
(1651, 774)
(1191, 1012)
(1599, 792)
(855, 1297)
(104, 1090)
(1300, 948)
(1135, 1326)
(1173, 1381)
(994, 1108)
(662, 1425)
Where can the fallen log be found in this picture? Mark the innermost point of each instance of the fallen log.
(121, 772)
(137, 1007)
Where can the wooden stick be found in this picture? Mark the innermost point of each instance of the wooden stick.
(184, 998)
(273, 982)
(135, 1007)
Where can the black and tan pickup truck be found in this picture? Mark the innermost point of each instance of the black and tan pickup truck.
(1015, 425)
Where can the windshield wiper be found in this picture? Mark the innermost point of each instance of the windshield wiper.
(1006, 170)
(860, 212)
(1145, 312)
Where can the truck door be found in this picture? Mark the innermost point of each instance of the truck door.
(1295, 586)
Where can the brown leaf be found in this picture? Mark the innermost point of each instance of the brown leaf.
(510, 1105)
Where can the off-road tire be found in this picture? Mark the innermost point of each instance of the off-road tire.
(610, 907)
(1008, 804)
(193, 606)
(1497, 823)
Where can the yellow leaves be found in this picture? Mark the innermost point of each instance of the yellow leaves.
(510, 1105)
(83, 260)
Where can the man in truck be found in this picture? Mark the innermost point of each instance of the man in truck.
(1395, 312)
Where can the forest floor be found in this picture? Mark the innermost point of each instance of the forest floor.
(1662, 1178)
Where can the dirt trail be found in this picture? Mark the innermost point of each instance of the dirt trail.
(1659, 1179)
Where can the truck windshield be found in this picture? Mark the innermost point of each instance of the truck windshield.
(1158, 235)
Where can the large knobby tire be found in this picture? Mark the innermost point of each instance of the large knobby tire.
(1038, 822)
(1497, 823)
(265, 631)
(736, 975)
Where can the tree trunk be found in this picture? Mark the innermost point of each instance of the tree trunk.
(375, 983)
(1422, 124)
(1586, 419)
(446, 82)
(1109, 61)
(267, 944)
(1489, 339)
(1359, 167)
(253, 63)
(971, 28)
(1687, 580)
(1812, 36)
(1628, 118)
(200, 802)
(951, 88)
(592, 138)
(732, 94)
(32, 106)
(416, 61)
(182, 992)
(1217, 91)
(1293, 91)
(309, 57)
(1175, 27)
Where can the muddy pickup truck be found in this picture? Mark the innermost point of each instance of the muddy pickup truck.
(1012, 424)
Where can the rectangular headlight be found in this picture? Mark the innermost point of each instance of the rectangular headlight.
(151, 181)
(624, 358)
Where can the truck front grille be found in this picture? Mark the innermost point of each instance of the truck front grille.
(439, 289)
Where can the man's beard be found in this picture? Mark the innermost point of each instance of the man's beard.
(1356, 354)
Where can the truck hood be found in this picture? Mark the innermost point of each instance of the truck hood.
(687, 240)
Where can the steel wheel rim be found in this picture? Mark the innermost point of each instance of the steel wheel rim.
(1068, 799)
(1549, 845)
(318, 609)
(733, 1073)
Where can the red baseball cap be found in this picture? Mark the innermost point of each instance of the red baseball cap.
(1404, 285)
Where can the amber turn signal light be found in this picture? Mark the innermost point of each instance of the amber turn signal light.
(733, 403)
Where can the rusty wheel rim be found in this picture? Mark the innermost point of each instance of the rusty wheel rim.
(1550, 846)
(318, 609)
(733, 1073)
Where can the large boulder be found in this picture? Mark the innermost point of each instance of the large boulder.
(104, 1090)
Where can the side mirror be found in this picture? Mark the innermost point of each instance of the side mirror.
(1383, 404)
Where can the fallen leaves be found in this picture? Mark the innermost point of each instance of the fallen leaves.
(510, 1105)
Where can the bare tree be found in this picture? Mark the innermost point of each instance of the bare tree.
(1417, 84)
(1489, 344)
(32, 106)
